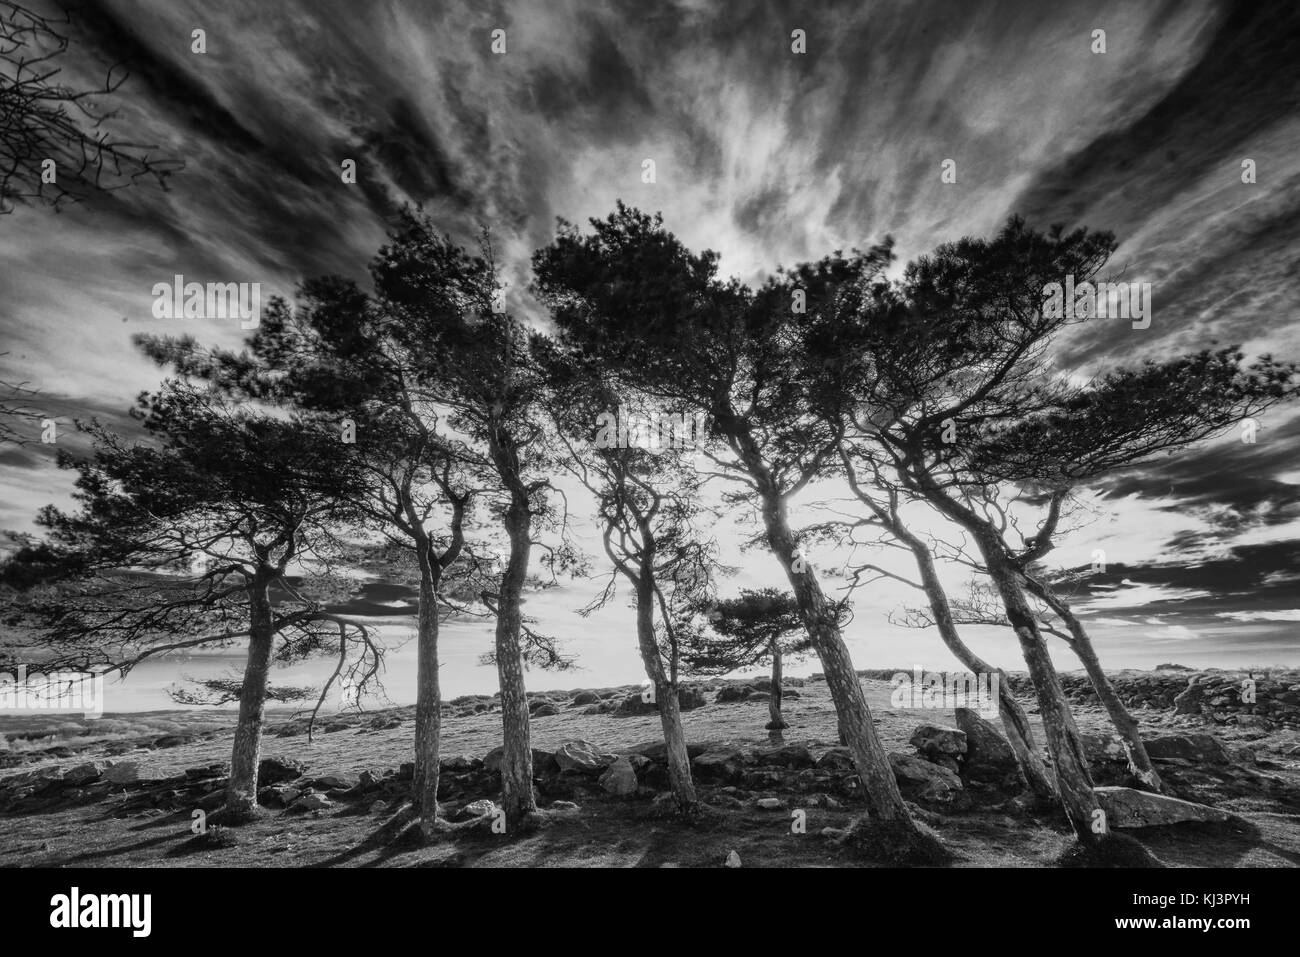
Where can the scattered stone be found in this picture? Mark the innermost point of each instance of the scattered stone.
(733, 859)
(770, 804)
(545, 710)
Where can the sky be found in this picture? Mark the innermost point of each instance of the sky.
(767, 155)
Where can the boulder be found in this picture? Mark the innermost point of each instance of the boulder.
(459, 762)
(543, 761)
(545, 710)
(312, 802)
(1196, 748)
(933, 741)
(729, 693)
(480, 808)
(1126, 807)
(989, 758)
(923, 780)
(619, 778)
(279, 770)
(722, 764)
(769, 804)
(789, 756)
(585, 697)
(658, 751)
(635, 705)
(835, 759)
(583, 757)
(335, 781)
(758, 696)
(688, 699)
(1189, 701)
(173, 740)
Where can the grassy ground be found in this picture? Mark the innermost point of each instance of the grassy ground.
(605, 832)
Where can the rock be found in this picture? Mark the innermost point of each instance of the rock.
(769, 804)
(733, 693)
(835, 759)
(733, 859)
(543, 761)
(988, 758)
(658, 751)
(1189, 701)
(582, 756)
(789, 693)
(722, 764)
(1254, 721)
(173, 740)
(335, 781)
(585, 697)
(124, 772)
(688, 699)
(923, 780)
(379, 807)
(1197, 748)
(564, 806)
(312, 802)
(1240, 755)
(459, 762)
(758, 696)
(635, 705)
(480, 808)
(546, 710)
(934, 741)
(619, 778)
(279, 770)
(789, 756)
(1126, 807)
(83, 774)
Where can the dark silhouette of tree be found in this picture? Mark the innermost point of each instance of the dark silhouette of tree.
(631, 296)
(52, 145)
(759, 627)
(188, 540)
(648, 507)
(359, 366)
(953, 394)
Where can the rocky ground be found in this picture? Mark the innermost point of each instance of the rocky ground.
(129, 790)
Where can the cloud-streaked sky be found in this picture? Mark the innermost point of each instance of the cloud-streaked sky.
(763, 154)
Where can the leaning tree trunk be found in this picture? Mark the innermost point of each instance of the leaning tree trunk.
(670, 712)
(517, 798)
(1073, 780)
(241, 791)
(1081, 645)
(1014, 720)
(776, 722)
(428, 698)
(884, 800)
